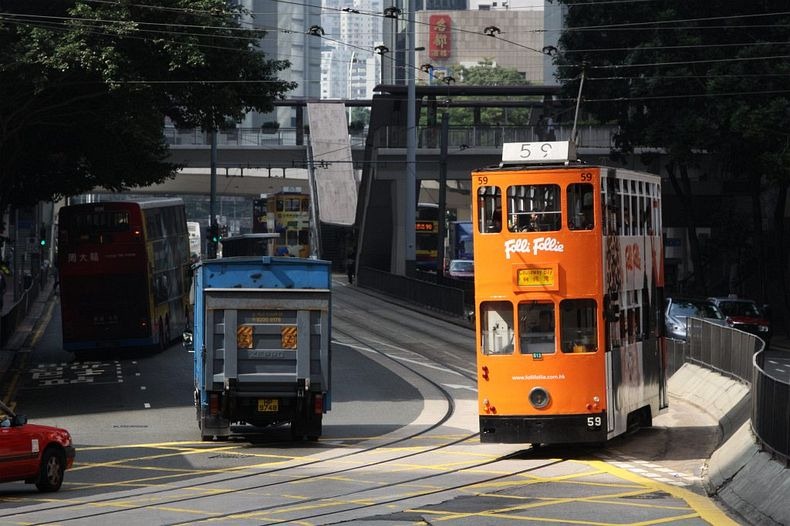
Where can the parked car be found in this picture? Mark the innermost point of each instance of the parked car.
(34, 453)
(461, 269)
(746, 315)
(678, 310)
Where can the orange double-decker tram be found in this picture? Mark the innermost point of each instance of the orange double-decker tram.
(569, 294)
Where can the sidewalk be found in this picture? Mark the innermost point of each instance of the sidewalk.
(20, 337)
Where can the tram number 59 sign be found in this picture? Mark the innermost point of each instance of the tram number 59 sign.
(594, 423)
(538, 152)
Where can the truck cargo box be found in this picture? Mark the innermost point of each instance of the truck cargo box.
(262, 344)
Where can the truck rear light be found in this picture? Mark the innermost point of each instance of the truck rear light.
(318, 404)
(213, 404)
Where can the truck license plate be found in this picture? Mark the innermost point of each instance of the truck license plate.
(268, 405)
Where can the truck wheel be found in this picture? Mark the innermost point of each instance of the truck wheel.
(50, 475)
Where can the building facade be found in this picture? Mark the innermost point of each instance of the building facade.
(287, 38)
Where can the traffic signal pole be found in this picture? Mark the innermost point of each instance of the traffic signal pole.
(211, 244)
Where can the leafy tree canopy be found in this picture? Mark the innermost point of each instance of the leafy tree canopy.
(688, 78)
(685, 76)
(86, 86)
(486, 73)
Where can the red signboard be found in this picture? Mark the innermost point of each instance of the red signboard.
(439, 47)
(425, 226)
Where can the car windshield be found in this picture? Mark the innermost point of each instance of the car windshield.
(462, 266)
(695, 309)
(739, 308)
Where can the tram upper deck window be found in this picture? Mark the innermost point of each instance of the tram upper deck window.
(496, 327)
(533, 208)
(489, 209)
(578, 326)
(536, 327)
(580, 206)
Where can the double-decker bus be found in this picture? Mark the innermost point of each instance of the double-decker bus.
(124, 273)
(426, 241)
(289, 213)
(569, 294)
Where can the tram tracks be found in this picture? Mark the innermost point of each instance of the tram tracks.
(102, 509)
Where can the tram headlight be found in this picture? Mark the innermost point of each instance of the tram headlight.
(539, 398)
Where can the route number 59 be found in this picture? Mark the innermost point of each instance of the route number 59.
(593, 422)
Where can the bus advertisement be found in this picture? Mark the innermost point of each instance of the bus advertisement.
(569, 296)
(124, 274)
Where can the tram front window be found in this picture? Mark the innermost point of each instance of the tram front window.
(536, 327)
(578, 326)
(533, 208)
(580, 206)
(496, 327)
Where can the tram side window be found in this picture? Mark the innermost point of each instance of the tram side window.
(533, 208)
(489, 209)
(612, 220)
(578, 325)
(536, 327)
(580, 206)
(496, 327)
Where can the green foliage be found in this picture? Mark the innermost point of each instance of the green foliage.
(85, 88)
(685, 76)
(360, 115)
(486, 73)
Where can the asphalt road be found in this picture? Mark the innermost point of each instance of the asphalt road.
(400, 445)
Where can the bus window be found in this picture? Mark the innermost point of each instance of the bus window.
(580, 206)
(578, 326)
(533, 208)
(536, 327)
(496, 327)
(489, 209)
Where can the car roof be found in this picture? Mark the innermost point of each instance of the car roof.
(741, 300)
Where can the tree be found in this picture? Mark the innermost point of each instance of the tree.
(686, 78)
(486, 73)
(85, 88)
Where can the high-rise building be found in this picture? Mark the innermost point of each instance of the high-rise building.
(457, 37)
(287, 25)
(350, 67)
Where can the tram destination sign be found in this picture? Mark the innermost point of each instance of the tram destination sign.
(538, 152)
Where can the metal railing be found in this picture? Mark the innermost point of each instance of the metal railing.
(741, 355)
(449, 300)
(771, 410)
(459, 137)
(11, 319)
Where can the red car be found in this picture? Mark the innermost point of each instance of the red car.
(34, 453)
(746, 315)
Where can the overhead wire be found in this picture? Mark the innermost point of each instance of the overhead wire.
(98, 30)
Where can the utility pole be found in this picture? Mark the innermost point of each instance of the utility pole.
(442, 193)
(410, 216)
(211, 245)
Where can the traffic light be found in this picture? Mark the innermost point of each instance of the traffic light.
(42, 236)
(213, 234)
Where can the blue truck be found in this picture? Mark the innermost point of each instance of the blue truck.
(261, 340)
(460, 240)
